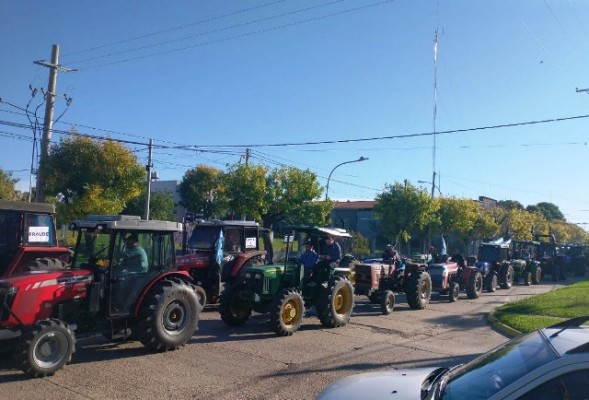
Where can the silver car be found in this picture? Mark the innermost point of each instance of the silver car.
(550, 363)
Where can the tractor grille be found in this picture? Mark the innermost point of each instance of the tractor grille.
(257, 283)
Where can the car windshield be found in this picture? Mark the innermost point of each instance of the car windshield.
(487, 374)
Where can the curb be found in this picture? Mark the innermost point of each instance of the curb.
(507, 330)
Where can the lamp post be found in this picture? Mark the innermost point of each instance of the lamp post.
(334, 168)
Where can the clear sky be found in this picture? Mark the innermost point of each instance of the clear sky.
(206, 79)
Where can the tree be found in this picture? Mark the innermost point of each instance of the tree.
(456, 217)
(202, 191)
(246, 190)
(7, 186)
(550, 211)
(92, 177)
(291, 196)
(510, 204)
(161, 206)
(404, 210)
(360, 246)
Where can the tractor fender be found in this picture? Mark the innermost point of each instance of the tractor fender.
(183, 275)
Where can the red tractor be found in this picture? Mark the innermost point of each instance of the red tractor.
(122, 283)
(450, 275)
(28, 238)
(215, 253)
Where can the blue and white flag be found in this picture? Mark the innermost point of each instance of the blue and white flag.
(219, 248)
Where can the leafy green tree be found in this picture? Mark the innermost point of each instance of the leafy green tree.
(485, 226)
(161, 206)
(290, 196)
(510, 204)
(360, 246)
(92, 177)
(202, 190)
(404, 210)
(246, 191)
(550, 211)
(7, 186)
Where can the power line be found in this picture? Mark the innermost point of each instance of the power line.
(241, 35)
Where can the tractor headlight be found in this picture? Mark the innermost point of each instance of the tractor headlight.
(6, 289)
(248, 275)
(258, 276)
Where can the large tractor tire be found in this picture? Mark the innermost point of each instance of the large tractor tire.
(474, 286)
(287, 312)
(233, 313)
(387, 302)
(335, 305)
(506, 276)
(201, 295)
(45, 349)
(168, 316)
(419, 290)
(537, 277)
(454, 291)
(46, 264)
(491, 282)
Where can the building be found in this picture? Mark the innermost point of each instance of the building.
(357, 216)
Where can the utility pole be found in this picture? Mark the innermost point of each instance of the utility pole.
(247, 157)
(54, 67)
(148, 194)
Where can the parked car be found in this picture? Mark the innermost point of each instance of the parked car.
(550, 363)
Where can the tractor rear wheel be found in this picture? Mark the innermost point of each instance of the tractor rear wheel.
(287, 312)
(419, 290)
(45, 349)
(46, 264)
(335, 306)
(474, 286)
(506, 277)
(454, 291)
(168, 316)
(233, 313)
(537, 277)
(387, 302)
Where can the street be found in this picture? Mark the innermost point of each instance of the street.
(250, 362)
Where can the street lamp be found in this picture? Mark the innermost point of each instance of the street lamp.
(329, 177)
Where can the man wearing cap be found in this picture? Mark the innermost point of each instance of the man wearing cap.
(135, 257)
(331, 252)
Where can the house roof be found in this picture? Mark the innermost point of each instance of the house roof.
(354, 205)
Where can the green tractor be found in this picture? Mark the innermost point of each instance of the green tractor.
(526, 269)
(284, 291)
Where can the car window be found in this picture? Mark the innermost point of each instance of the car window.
(486, 375)
(571, 386)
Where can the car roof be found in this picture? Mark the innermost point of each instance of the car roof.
(215, 223)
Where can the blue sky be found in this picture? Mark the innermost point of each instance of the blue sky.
(213, 74)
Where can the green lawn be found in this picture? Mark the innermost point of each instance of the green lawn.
(546, 309)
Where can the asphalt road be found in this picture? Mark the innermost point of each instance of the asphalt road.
(250, 362)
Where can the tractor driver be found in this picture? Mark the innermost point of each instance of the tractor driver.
(135, 257)
(331, 252)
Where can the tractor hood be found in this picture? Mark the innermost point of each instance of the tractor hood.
(388, 385)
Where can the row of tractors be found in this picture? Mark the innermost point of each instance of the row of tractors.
(52, 295)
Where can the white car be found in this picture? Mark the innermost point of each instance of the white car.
(550, 363)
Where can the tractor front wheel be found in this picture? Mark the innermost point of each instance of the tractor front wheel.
(335, 306)
(474, 286)
(454, 291)
(287, 312)
(491, 282)
(201, 295)
(45, 349)
(506, 277)
(537, 276)
(527, 278)
(168, 316)
(387, 302)
(419, 290)
(232, 311)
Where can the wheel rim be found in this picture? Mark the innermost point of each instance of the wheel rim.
(50, 349)
(342, 301)
(175, 317)
(290, 312)
(424, 289)
(390, 302)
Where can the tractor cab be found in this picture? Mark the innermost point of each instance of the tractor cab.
(28, 238)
